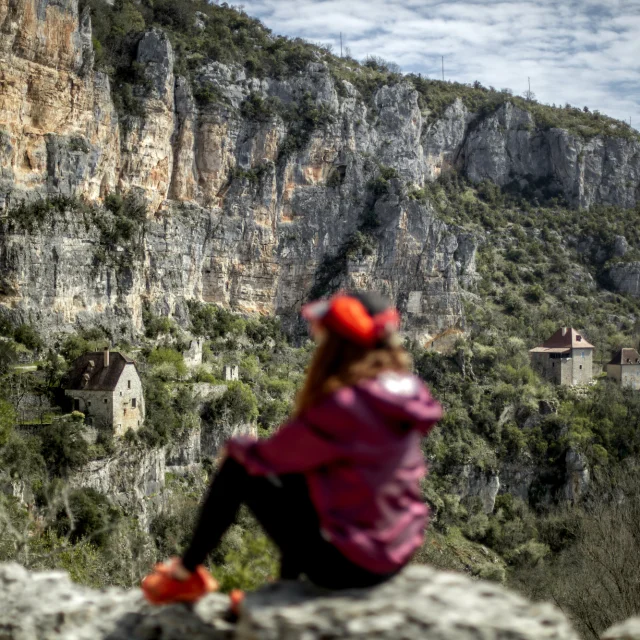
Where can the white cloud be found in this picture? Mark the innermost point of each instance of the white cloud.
(584, 52)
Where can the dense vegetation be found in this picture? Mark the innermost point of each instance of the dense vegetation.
(540, 266)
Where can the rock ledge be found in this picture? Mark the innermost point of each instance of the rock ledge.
(420, 603)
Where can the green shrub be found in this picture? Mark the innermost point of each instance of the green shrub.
(172, 360)
(6, 327)
(62, 446)
(20, 457)
(33, 216)
(238, 405)
(207, 93)
(8, 356)
(249, 564)
(90, 516)
(85, 341)
(7, 421)
(201, 374)
(255, 107)
(25, 334)
(214, 322)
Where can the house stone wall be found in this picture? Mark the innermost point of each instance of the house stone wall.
(614, 371)
(567, 371)
(582, 365)
(547, 367)
(630, 377)
(96, 405)
(125, 416)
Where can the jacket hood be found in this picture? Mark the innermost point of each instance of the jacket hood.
(403, 399)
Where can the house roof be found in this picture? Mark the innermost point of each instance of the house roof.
(626, 356)
(570, 340)
(88, 372)
(553, 350)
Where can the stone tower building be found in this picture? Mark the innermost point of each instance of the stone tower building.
(106, 387)
(566, 358)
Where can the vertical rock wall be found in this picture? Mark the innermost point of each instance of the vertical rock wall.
(233, 218)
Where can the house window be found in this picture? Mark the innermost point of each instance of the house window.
(76, 405)
(128, 384)
(579, 338)
(133, 402)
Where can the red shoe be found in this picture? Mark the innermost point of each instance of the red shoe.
(237, 598)
(160, 587)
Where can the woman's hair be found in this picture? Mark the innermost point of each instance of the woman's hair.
(339, 362)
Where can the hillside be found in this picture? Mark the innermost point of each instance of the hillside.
(174, 170)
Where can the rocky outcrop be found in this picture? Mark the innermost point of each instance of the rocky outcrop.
(625, 277)
(478, 483)
(627, 630)
(577, 475)
(507, 147)
(133, 479)
(420, 603)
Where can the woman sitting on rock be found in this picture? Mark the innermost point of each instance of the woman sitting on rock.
(337, 487)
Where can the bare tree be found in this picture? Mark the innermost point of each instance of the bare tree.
(595, 580)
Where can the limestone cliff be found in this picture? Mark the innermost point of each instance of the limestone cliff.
(241, 212)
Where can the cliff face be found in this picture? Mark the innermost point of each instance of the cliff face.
(241, 211)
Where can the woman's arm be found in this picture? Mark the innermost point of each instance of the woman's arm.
(294, 448)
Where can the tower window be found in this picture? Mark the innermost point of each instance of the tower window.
(128, 384)
(133, 402)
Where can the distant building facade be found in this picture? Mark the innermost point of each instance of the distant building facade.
(566, 358)
(625, 368)
(231, 372)
(106, 387)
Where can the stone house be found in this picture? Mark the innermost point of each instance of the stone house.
(625, 368)
(566, 358)
(106, 387)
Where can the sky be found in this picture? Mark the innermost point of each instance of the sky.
(584, 52)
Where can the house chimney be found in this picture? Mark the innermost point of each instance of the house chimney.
(564, 331)
(106, 357)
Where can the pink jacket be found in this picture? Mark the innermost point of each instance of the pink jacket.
(359, 450)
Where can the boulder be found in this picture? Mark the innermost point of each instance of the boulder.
(420, 603)
(627, 630)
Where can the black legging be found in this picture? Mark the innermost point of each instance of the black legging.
(284, 509)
